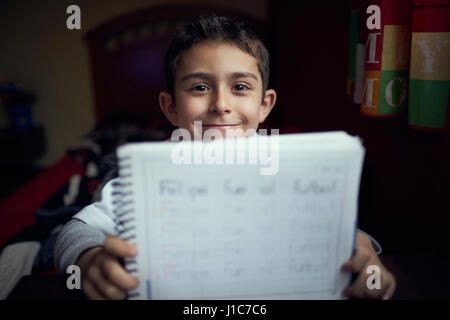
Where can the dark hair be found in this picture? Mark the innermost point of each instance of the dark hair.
(220, 29)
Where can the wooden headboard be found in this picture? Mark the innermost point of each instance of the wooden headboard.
(127, 57)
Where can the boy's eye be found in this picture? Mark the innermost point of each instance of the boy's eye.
(241, 87)
(200, 87)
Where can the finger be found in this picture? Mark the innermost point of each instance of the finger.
(112, 292)
(357, 262)
(116, 274)
(358, 287)
(387, 295)
(91, 292)
(105, 287)
(117, 247)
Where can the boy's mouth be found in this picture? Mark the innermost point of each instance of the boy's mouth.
(227, 129)
(221, 126)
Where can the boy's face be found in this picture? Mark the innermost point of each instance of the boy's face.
(220, 85)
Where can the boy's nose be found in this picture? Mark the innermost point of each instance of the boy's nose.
(220, 104)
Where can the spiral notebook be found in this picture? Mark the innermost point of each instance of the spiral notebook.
(263, 217)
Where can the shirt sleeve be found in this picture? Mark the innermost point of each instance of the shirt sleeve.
(100, 214)
(75, 238)
(87, 229)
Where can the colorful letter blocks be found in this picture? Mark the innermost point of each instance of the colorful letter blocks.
(385, 84)
(406, 62)
(430, 66)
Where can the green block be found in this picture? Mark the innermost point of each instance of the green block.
(393, 98)
(353, 39)
(428, 101)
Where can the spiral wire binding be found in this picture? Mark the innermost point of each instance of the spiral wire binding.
(123, 211)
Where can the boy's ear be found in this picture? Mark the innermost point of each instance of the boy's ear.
(267, 104)
(167, 106)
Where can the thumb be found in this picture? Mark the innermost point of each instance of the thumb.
(117, 247)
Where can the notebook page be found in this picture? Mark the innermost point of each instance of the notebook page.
(227, 232)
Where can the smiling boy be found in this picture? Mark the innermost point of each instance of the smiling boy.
(220, 85)
(216, 72)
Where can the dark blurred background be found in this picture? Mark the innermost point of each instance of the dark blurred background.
(113, 64)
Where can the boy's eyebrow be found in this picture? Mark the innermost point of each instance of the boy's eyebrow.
(236, 75)
(208, 76)
(201, 75)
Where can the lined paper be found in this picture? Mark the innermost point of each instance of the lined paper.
(228, 232)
